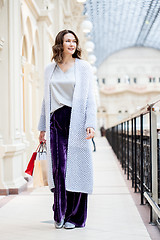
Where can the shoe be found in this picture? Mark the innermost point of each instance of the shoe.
(69, 225)
(59, 225)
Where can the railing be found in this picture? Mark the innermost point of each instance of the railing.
(136, 144)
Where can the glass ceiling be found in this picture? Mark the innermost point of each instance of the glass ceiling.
(119, 24)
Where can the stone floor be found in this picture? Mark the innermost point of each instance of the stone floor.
(112, 211)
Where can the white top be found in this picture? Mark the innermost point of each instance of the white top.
(62, 88)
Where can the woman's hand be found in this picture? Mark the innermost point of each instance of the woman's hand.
(42, 137)
(90, 133)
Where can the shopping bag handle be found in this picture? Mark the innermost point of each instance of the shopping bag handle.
(41, 146)
(38, 147)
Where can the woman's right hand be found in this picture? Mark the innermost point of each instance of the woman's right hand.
(42, 136)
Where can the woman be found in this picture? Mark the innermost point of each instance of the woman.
(68, 117)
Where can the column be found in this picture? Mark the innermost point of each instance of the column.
(12, 147)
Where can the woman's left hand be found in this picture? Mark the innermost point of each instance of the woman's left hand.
(90, 133)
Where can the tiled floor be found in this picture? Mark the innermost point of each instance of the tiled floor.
(112, 213)
(1, 197)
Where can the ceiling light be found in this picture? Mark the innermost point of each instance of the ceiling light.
(92, 58)
(89, 46)
(86, 26)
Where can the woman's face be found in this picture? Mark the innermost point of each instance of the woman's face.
(69, 44)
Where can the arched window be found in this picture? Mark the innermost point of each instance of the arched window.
(33, 57)
(29, 28)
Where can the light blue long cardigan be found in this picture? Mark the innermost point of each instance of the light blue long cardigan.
(79, 172)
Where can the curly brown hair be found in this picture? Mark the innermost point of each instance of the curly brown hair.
(57, 48)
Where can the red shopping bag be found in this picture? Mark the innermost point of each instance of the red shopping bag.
(30, 166)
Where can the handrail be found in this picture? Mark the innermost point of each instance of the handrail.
(137, 147)
(152, 203)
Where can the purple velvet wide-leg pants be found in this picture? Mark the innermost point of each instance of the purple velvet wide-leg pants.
(72, 206)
